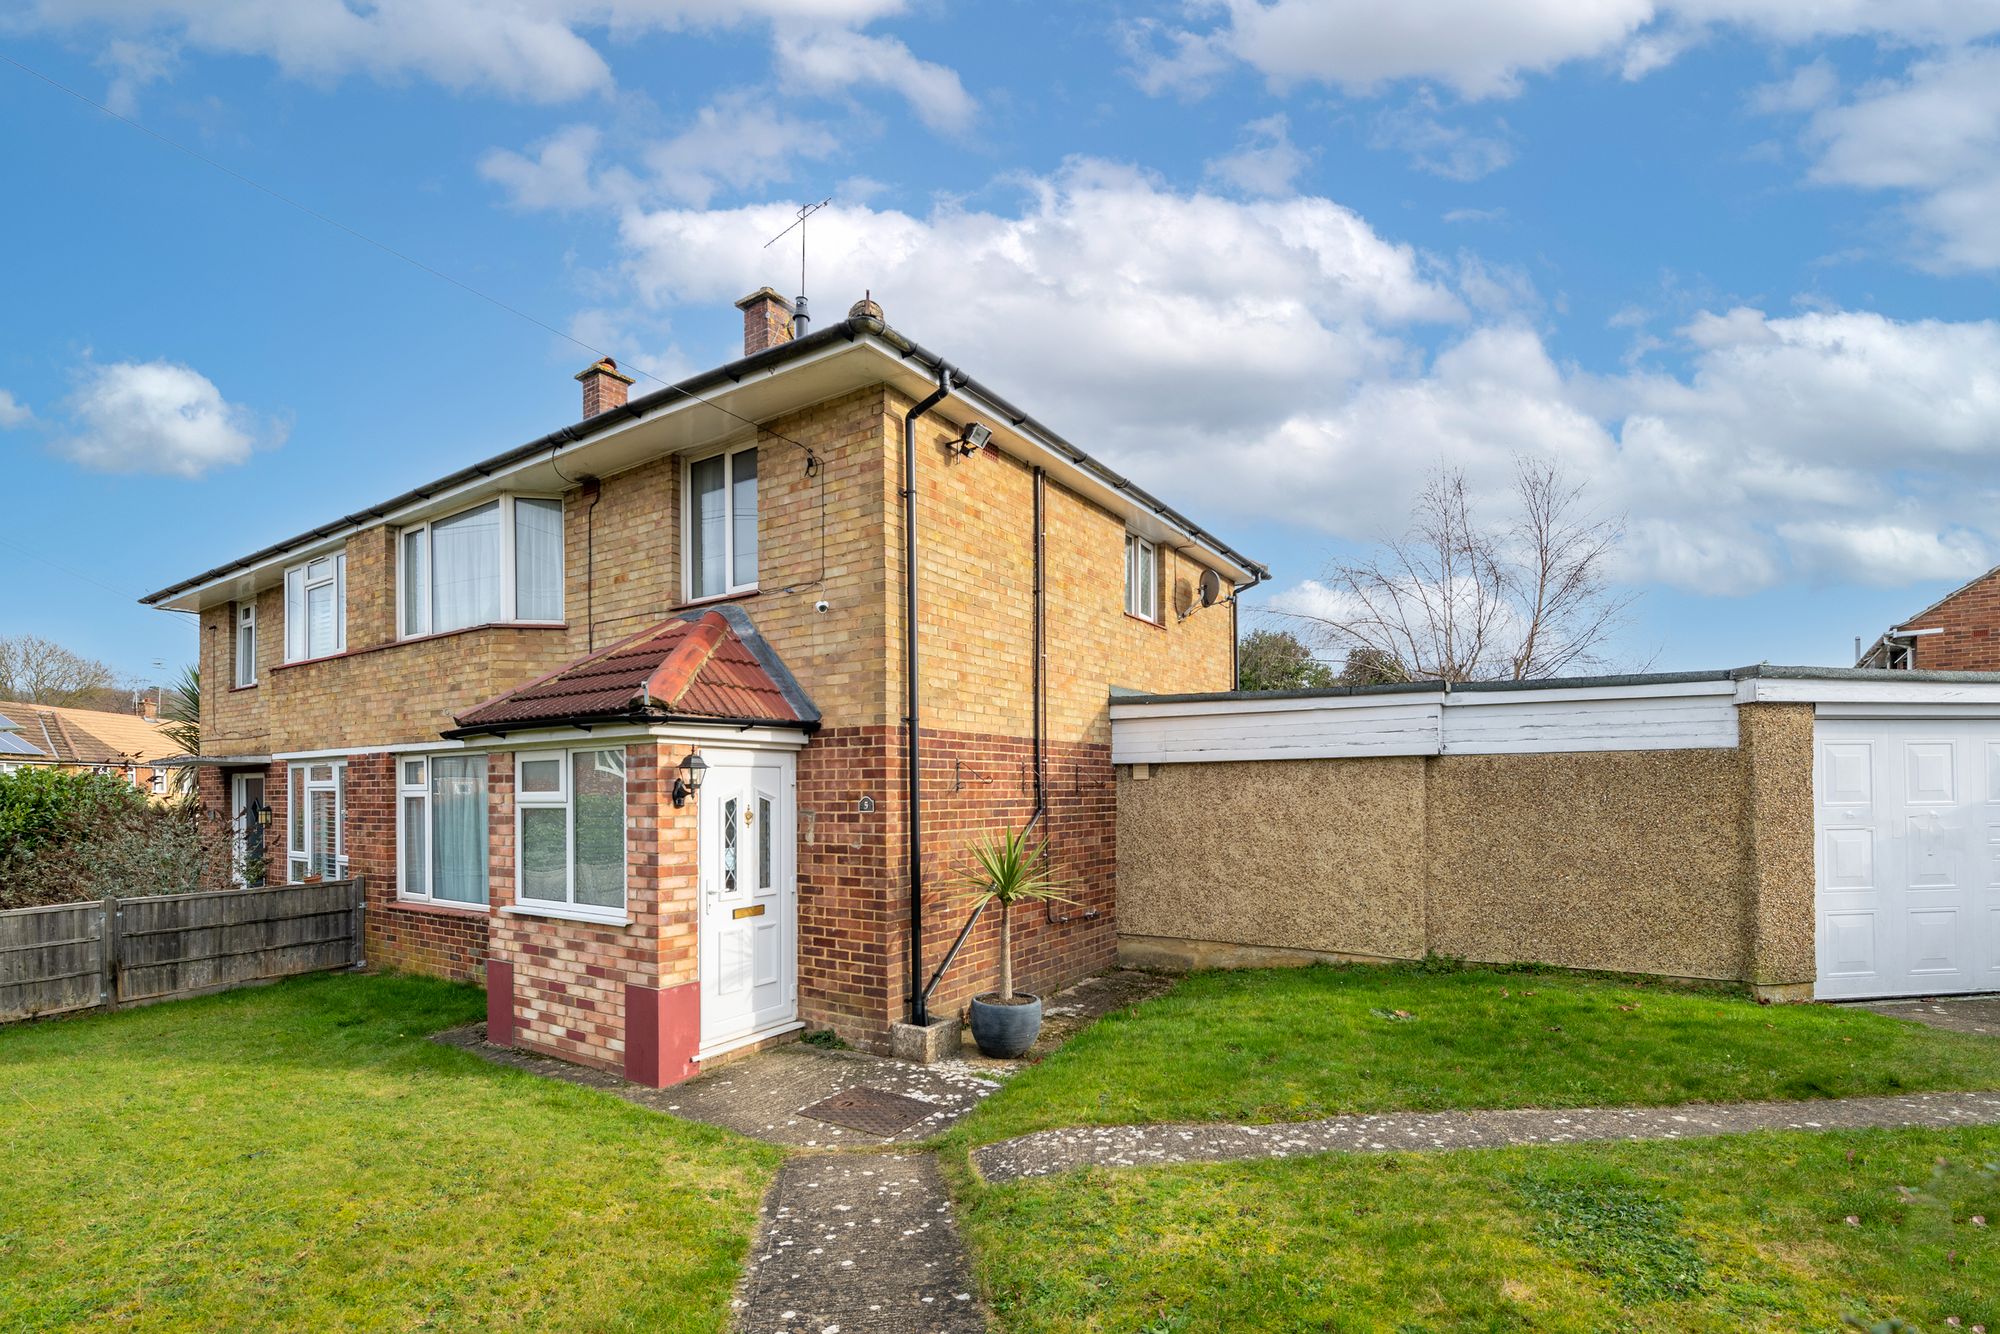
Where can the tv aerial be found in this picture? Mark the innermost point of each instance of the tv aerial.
(801, 321)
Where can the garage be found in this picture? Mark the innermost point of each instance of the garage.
(1907, 893)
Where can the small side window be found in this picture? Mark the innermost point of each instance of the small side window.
(1142, 578)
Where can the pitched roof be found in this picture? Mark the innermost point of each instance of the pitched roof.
(88, 736)
(705, 665)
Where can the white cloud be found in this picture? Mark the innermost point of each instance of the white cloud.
(1485, 48)
(1807, 87)
(535, 50)
(1266, 161)
(160, 417)
(134, 66)
(1450, 151)
(13, 412)
(1264, 361)
(739, 141)
(832, 60)
(1933, 137)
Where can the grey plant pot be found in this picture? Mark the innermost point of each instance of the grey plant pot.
(1006, 1031)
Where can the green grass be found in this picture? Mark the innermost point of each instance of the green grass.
(300, 1157)
(1294, 1044)
(1747, 1233)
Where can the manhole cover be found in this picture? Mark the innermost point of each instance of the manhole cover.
(875, 1111)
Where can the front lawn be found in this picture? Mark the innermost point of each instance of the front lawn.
(301, 1157)
(1294, 1044)
(1747, 1233)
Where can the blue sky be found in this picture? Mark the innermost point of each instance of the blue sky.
(1731, 262)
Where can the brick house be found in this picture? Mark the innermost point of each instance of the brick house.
(121, 745)
(1958, 633)
(493, 696)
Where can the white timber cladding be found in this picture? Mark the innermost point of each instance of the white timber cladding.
(1681, 716)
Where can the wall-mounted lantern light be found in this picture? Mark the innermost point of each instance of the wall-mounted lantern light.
(263, 815)
(688, 781)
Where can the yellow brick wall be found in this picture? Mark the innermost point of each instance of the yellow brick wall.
(835, 536)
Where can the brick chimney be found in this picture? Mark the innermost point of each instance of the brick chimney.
(149, 707)
(767, 320)
(604, 387)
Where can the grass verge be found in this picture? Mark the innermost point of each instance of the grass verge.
(300, 1156)
(1295, 1044)
(1774, 1231)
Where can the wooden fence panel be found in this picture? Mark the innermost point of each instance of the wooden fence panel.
(132, 951)
(52, 960)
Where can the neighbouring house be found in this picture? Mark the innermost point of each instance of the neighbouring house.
(1960, 632)
(620, 720)
(124, 745)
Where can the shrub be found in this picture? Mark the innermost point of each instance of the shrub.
(71, 836)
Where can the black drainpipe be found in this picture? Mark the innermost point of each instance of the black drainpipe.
(912, 696)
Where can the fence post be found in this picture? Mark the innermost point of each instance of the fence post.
(110, 941)
(360, 922)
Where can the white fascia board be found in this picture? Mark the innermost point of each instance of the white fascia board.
(1589, 694)
(1223, 708)
(724, 736)
(1782, 690)
(523, 739)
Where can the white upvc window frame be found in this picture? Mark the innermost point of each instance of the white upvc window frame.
(301, 781)
(246, 635)
(298, 622)
(564, 799)
(1142, 598)
(730, 588)
(407, 628)
(421, 787)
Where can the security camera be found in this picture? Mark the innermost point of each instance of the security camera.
(822, 606)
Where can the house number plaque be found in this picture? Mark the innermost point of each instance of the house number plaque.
(754, 910)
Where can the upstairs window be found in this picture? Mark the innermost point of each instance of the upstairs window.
(246, 644)
(721, 524)
(1142, 578)
(501, 561)
(316, 608)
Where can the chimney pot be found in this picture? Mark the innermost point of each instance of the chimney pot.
(767, 320)
(604, 387)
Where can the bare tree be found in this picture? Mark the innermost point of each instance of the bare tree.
(35, 671)
(1456, 600)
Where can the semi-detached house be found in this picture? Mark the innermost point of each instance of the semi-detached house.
(619, 721)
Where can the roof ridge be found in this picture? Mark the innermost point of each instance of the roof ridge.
(677, 671)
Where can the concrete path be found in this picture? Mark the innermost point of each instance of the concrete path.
(1051, 1151)
(858, 1244)
(1958, 1014)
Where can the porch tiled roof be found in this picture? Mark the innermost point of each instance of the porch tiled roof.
(702, 665)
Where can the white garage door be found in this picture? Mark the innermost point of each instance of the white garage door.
(1909, 856)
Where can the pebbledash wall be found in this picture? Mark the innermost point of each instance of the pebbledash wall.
(1655, 826)
(837, 536)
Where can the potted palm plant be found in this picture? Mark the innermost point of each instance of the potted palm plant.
(1009, 871)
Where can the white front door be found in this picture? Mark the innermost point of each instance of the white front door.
(246, 800)
(749, 895)
(1908, 864)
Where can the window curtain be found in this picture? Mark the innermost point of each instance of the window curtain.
(538, 565)
(598, 789)
(706, 536)
(465, 569)
(743, 517)
(458, 824)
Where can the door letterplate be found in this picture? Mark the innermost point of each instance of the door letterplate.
(754, 910)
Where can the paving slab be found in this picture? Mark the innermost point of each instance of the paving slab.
(1051, 1151)
(858, 1244)
(762, 1095)
(1958, 1014)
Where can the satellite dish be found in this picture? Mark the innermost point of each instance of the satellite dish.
(1211, 588)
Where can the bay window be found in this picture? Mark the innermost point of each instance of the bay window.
(316, 845)
(500, 561)
(441, 828)
(316, 608)
(570, 837)
(720, 520)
